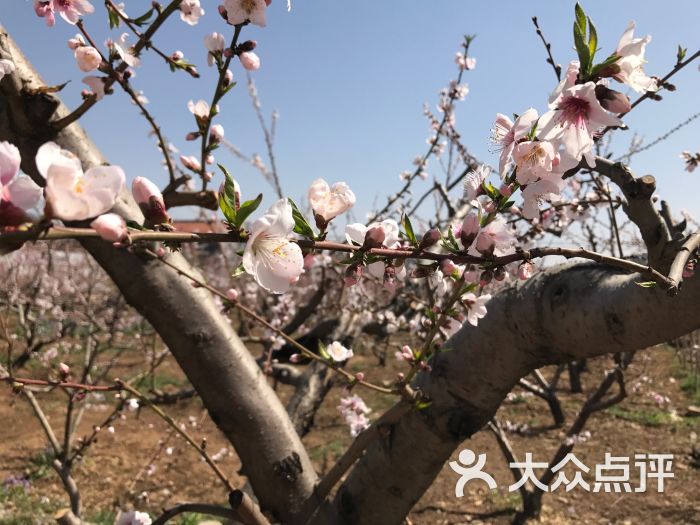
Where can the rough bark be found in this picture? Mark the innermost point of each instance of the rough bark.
(212, 356)
(562, 314)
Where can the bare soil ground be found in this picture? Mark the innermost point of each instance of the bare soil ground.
(134, 467)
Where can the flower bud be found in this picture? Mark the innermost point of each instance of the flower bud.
(689, 270)
(374, 238)
(470, 229)
(353, 274)
(250, 61)
(76, 42)
(63, 369)
(110, 226)
(177, 55)
(447, 266)
(360, 376)
(232, 294)
(486, 277)
(389, 277)
(223, 12)
(525, 271)
(150, 201)
(295, 358)
(216, 133)
(612, 100)
(228, 77)
(191, 162)
(192, 135)
(248, 45)
(430, 238)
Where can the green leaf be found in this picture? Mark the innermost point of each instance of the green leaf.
(301, 225)
(143, 19)
(227, 199)
(422, 405)
(408, 230)
(580, 19)
(680, 55)
(238, 271)
(114, 19)
(605, 64)
(324, 353)
(584, 54)
(246, 209)
(592, 40)
(647, 284)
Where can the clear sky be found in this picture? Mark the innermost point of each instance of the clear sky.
(349, 80)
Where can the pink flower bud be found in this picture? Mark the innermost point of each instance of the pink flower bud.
(506, 190)
(250, 61)
(209, 159)
(177, 55)
(447, 266)
(470, 229)
(150, 200)
(192, 135)
(525, 271)
(360, 376)
(353, 274)
(486, 278)
(76, 42)
(223, 12)
(63, 369)
(248, 45)
(88, 58)
(374, 238)
(228, 77)
(232, 294)
(295, 358)
(110, 226)
(689, 270)
(191, 162)
(309, 260)
(430, 238)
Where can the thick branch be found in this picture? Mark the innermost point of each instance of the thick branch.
(562, 314)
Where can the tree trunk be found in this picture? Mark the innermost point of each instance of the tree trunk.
(201, 339)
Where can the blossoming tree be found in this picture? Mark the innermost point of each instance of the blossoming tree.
(477, 333)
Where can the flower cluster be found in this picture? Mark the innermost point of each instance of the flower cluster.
(354, 411)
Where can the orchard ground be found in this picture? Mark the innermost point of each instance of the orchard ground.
(133, 467)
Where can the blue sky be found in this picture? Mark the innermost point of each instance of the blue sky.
(349, 80)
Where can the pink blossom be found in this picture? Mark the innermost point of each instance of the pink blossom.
(338, 352)
(470, 229)
(474, 180)
(88, 58)
(631, 51)
(191, 12)
(238, 11)
(126, 53)
(543, 189)
(496, 238)
(328, 202)
(70, 10)
(476, 307)
(110, 226)
(533, 159)
(357, 233)
(21, 199)
(506, 133)
(72, 194)
(354, 411)
(63, 369)
(134, 517)
(96, 85)
(249, 61)
(44, 9)
(465, 62)
(75, 42)
(215, 44)
(273, 261)
(575, 115)
(568, 81)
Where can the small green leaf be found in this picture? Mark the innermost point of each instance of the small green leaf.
(246, 209)
(408, 230)
(238, 271)
(114, 19)
(584, 54)
(227, 199)
(324, 353)
(143, 19)
(580, 19)
(680, 55)
(422, 405)
(592, 41)
(647, 284)
(301, 225)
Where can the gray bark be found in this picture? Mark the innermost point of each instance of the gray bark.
(562, 314)
(210, 353)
